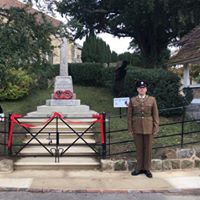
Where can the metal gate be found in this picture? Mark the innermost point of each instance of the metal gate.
(59, 149)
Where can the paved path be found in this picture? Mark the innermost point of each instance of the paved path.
(96, 181)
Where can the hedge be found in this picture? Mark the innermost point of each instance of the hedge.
(163, 84)
(44, 73)
(91, 74)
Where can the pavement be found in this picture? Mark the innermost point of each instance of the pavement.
(96, 181)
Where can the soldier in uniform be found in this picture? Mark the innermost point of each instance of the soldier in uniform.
(143, 124)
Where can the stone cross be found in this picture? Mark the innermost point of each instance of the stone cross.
(63, 58)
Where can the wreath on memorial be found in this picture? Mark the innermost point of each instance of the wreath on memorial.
(63, 94)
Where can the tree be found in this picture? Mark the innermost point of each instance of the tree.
(152, 24)
(133, 58)
(25, 38)
(114, 56)
(25, 42)
(95, 50)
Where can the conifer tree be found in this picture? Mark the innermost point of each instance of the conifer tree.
(95, 50)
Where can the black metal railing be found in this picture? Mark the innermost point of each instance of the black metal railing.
(13, 141)
(175, 133)
(178, 131)
(4, 135)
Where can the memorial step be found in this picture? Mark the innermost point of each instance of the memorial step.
(59, 128)
(62, 135)
(72, 151)
(67, 163)
(63, 102)
(43, 121)
(62, 141)
(37, 114)
(63, 109)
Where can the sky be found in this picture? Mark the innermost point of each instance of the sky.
(119, 45)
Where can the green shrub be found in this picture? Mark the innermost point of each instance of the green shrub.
(90, 74)
(17, 84)
(163, 84)
(44, 73)
(108, 77)
(94, 74)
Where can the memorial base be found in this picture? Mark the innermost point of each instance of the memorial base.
(63, 102)
(66, 107)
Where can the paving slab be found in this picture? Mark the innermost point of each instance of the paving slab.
(16, 182)
(97, 181)
(184, 182)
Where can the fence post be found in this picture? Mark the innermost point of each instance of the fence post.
(120, 112)
(109, 138)
(182, 127)
(5, 134)
(104, 133)
(9, 125)
(57, 134)
(57, 155)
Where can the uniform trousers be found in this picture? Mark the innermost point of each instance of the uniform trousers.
(143, 145)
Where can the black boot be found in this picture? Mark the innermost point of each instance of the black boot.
(136, 172)
(148, 173)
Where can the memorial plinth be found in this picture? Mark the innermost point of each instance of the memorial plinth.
(63, 99)
(63, 90)
(67, 107)
(63, 102)
(63, 82)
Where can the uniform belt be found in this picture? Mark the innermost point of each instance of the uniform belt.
(141, 115)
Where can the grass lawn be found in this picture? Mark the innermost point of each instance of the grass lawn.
(27, 104)
(101, 100)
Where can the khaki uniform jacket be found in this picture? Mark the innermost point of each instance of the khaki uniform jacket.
(143, 116)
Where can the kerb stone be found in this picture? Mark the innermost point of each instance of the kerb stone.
(106, 165)
(6, 165)
(119, 165)
(156, 164)
(197, 163)
(187, 164)
(167, 165)
(176, 163)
